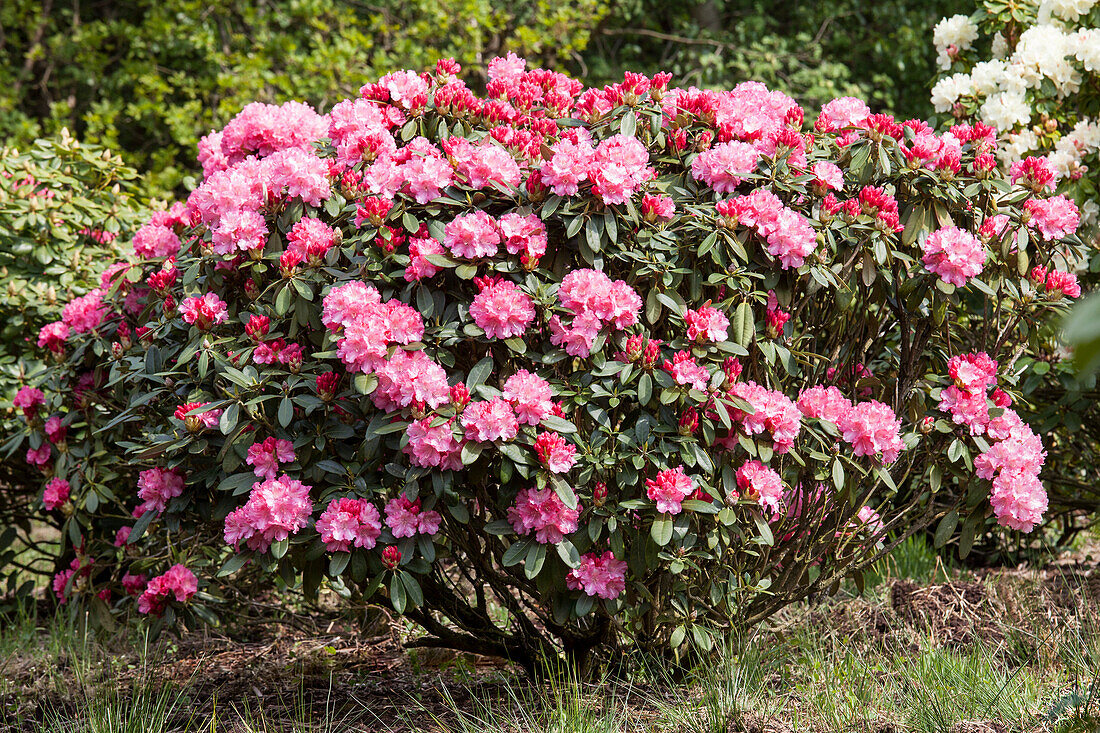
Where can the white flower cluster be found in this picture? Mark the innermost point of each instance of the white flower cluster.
(1052, 61)
(958, 32)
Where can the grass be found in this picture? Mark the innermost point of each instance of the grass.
(998, 653)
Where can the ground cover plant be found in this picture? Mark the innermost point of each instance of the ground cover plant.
(553, 370)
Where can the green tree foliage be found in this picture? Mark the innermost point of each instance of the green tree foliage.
(150, 78)
(813, 51)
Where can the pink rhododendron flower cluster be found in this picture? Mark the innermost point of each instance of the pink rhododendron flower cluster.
(502, 310)
(28, 400)
(56, 493)
(347, 523)
(543, 512)
(669, 489)
(276, 509)
(178, 582)
(761, 484)
(204, 311)
(686, 371)
(706, 324)
(595, 301)
(790, 237)
(873, 430)
(825, 403)
(265, 457)
(599, 575)
(953, 254)
(1054, 218)
(725, 166)
(530, 396)
(432, 445)
(774, 412)
(156, 487)
(84, 313)
(406, 519)
(490, 420)
(557, 455)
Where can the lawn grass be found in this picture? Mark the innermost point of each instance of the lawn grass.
(927, 648)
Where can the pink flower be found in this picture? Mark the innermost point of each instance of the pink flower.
(201, 420)
(1019, 500)
(122, 536)
(669, 489)
(599, 575)
(529, 395)
(840, 113)
(1064, 283)
(419, 265)
(406, 518)
(204, 311)
(28, 399)
(502, 310)
(39, 456)
(433, 445)
(554, 453)
(1034, 172)
(156, 240)
(757, 481)
(870, 519)
(523, 234)
(347, 523)
(312, 239)
(239, 230)
(592, 292)
(489, 420)
(966, 408)
(178, 582)
(725, 166)
(706, 324)
(657, 208)
(1055, 217)
(156, 487)
(544, 513)
(825, 403)
(52, 336)
(953, 254)
(774, 412)
(276, 509)
(134, 584)
(472, 235)
(620, 166)
(265, 457)
(407, 377)
(85, 313)
(56, 493)
(686, 371)
(568, 167)
(872, 428)
(974, 372)
(827, 176)
(789, 235)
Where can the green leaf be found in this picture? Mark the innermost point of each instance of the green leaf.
(516, 552)
(397, 593)
(479, 373)
(558, 424)
(661, 531)
(286, 411)
(744, 327)
(645, 389)
(534, 560)
(564, 491)
(946, 528)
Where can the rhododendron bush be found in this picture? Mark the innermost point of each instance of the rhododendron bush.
(1031, 70)
(554, 368)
